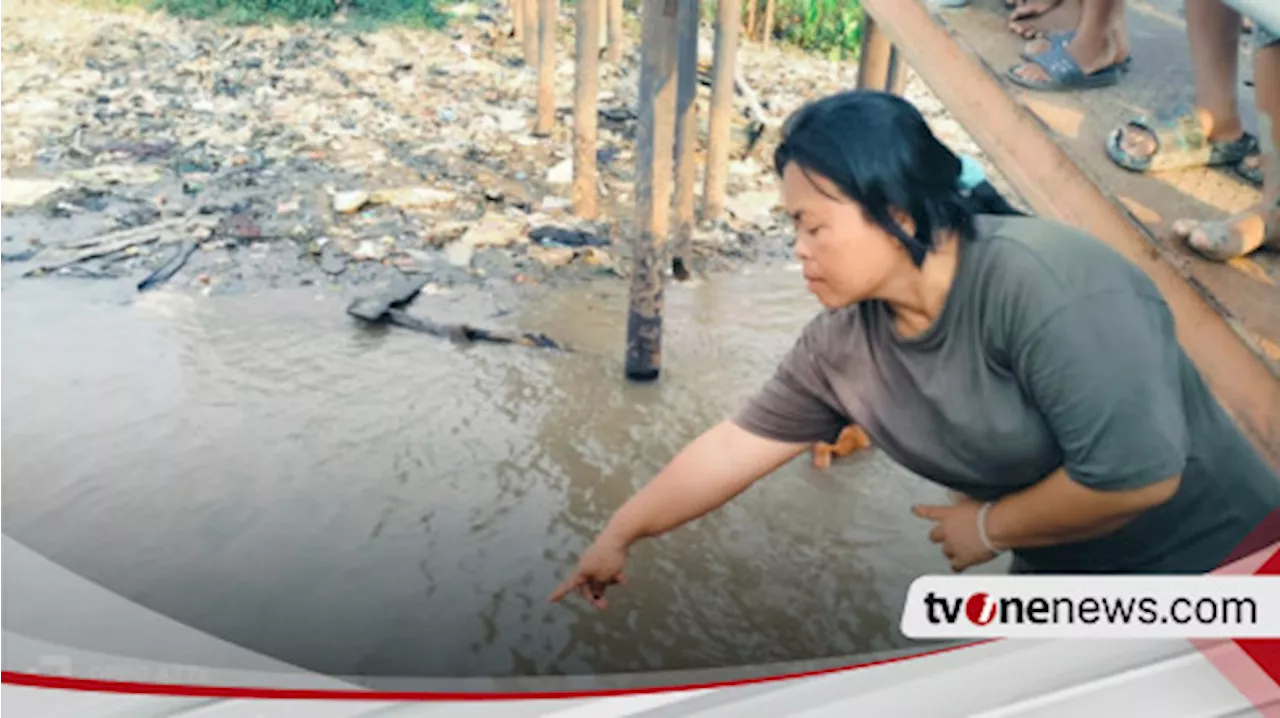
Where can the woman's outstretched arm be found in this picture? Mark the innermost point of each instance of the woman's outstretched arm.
(712, 469)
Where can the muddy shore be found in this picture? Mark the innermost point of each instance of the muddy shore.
(216, 159)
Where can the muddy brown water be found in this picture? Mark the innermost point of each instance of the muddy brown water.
(384, 503)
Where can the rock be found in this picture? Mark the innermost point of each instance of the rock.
(561, 174)
(596, 257)
(459, 254)
(494, 231)
(26, 192)
(445, 232)
(555, 204)
(511, 121)
(551, 256)
(348, 202)
(412, 198)
(117, 174)
(368, 249)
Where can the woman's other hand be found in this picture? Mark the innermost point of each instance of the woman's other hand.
(956, 529)
(600, 567)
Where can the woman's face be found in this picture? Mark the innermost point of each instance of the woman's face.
(845, 256)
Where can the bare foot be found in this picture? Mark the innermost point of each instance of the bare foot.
(1236, 236)
(1090, 59)
(1117, 39)
(1033, 18)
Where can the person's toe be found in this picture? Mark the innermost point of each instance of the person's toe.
(1183, 228)
(1031, 72)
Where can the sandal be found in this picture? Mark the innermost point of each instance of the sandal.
(1249, 169)
(1180, 143)
(1064, 38)
(1064, 72)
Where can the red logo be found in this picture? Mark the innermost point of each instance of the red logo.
(980, 609)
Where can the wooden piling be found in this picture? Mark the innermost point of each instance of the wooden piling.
(529, 17)
(686, 132)
(517, 20)
(880, 66)
(655, 139)
(766, 36)
(586, 88)
(750, 28)
(546, 67)
(616, 32)
(728, 21)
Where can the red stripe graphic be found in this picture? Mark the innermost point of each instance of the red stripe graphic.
(193, 691)
(1252, 665)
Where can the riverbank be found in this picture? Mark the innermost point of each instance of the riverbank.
(221, 159)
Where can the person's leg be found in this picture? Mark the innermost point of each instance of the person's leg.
(1213, 34)
(1243, 233)
(1100, 41)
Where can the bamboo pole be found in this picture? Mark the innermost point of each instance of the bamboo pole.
(655, 140)
(750, 29)
(728, 19)
(586, 89)
(616, 39)
(529, 16)
(517, 20)
(686, 131)
(546, 67)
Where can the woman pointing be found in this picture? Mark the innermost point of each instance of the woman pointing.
(1016, 361)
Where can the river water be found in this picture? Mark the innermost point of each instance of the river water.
(384, 503)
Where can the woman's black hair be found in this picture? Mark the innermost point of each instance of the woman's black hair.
(878, 149)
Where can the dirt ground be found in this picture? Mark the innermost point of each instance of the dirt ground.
(223, 159)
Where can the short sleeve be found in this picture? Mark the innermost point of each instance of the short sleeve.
(796, 403)
(1105, 372)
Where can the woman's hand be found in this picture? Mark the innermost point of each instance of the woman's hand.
(720, 464)
(600, 567)
(956, 528)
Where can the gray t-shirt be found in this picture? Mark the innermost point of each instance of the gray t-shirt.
(1052, 351)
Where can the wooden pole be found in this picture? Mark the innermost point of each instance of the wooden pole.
(586, 89)
(517, 20)
(686, 131)
(529, 16)
(728, 19)
(546, 67)
(655, 140)
(750, 29)
(616, 40)
(767, 34)
(880, 66)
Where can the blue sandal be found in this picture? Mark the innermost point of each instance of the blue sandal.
(1064, 38)
(1065, 73)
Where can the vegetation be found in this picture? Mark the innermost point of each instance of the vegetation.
(832, 28)
(829, 27)
(425, 13)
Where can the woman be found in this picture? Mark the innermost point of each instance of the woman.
(1020, 363)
